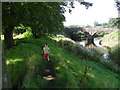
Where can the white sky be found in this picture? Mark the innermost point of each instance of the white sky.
(101, 11)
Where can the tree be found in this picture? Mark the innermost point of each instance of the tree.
(42, 17)
(114, 22)
(117, 2)
(12, 14)
(70, 4)
(105, 25)
(97, 24)
(46, 18)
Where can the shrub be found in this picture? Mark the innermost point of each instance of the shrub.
(60, 42)
(78, 50)
(84, 54)
(111, 67)
(114, 54)
(28, 34)
(68, 44)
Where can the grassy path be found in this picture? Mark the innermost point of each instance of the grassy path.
(49, 74)
(46, 71)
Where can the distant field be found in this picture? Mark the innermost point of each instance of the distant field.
(18, 36)
(2, 37)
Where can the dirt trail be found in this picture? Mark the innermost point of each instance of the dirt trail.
(48, 73)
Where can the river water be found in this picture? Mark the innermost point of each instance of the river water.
(97, 44)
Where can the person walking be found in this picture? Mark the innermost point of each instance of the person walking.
(46, 52)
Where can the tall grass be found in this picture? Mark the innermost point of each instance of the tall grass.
(111, 39)
(78, 50)
(71, 68)
(84, 54)
(114, 54)
(22, 59)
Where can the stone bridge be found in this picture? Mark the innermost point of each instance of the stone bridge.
(98, 29)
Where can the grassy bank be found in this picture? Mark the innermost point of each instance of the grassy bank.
(111, 39)
(25, 60)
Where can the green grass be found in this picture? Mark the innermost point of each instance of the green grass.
(21, 59)
(98, 76)
(114, 54)
(111, 39)
(25, 60)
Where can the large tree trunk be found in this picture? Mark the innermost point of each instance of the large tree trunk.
(3, 71)
(8, 35)
(6, 83)
(0, 63)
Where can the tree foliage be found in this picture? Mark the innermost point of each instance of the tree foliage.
(45, 17)
(42, 17)
(20, 29)
(97, 24)
(114, 22)
(117, 2)
(12, 15)
(76, 34)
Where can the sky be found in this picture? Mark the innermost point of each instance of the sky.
(101, 11)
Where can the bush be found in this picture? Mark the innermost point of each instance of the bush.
(28, 34)
(111, 67)
(68, 44)
(84, 54)
(78, 50)
(64, 75)
(114, 54)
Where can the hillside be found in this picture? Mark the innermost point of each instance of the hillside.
(26, 67)
(111, 39)
(76, 61)
(111, 42)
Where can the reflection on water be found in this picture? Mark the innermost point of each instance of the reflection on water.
(97, 42)
(93, 48)
(105, 56)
